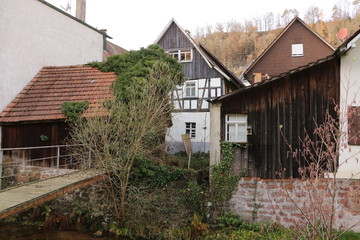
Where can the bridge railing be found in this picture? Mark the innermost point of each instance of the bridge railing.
(28, 164)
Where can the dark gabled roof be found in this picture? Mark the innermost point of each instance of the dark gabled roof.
(41, 99)
(295, 19)
(75, 18)
(112, 49)
(343, 48)
(209, 58)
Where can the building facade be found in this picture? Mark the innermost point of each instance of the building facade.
(207, 79)
(295, 46)
(35, 34)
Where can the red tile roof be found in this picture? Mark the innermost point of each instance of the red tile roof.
(41, 99)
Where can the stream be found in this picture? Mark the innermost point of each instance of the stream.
(24, 232)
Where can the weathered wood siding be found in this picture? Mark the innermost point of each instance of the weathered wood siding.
(28, 135)
(173, 39)
(283, 109)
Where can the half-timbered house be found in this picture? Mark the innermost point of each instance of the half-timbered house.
(207, 79)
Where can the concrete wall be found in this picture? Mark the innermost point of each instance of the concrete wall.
(267, 200)
(34, 35)
(349, 166)
(215, 133)
(201, 143)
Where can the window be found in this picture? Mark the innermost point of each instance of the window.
(190, 89)
(182, 55)
(236, 128)
(190, 128)
(297, 50)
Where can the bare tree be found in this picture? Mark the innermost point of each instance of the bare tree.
(316, 195)
(134, 127)
(341, 10)
(313, 15)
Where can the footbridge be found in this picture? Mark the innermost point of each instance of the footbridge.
(24, 184)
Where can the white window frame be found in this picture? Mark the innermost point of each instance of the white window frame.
(297, 50)
(237, 121)
(193, 86)
(178, 54)
(190, 129)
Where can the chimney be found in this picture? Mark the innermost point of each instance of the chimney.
(80, 9)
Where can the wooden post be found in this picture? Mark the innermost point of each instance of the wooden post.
(58, 159)
(188, 149)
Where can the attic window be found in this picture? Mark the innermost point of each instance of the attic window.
(297, 50)
(92, 80)
(182, 55)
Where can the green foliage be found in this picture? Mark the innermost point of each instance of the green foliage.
(44, 138)
(73, 110)
(240, 234)
(223, 181)
(154, 176)
(350, 235)
(133, 68)
(230, 220)
(194, 197)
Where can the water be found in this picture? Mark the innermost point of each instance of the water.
(21, 232)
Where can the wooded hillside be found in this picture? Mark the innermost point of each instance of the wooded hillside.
(236, 44)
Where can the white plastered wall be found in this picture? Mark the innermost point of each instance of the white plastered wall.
(201, 143)
(33, 35)
(349, 159)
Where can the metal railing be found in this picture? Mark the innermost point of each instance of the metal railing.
(16, 169)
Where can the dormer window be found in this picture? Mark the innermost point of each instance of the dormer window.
(184, 55)
(297, 50)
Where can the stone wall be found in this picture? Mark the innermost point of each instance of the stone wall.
(290, 201)
(88, 205)
(23, 174)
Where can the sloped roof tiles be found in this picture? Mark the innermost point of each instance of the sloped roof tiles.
(41, 99)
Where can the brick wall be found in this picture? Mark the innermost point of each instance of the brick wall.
(275, 200)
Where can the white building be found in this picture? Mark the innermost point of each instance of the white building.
(33, 34)
(207, 80)
(349, 159)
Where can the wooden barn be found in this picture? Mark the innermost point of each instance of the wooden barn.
(263, 117)
(34, 118)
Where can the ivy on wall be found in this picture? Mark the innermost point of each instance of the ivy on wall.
(223, 181)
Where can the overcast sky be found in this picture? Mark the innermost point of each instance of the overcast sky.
(137, 23)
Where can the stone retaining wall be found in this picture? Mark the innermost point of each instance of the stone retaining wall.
(24, 174)
(275, 200)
